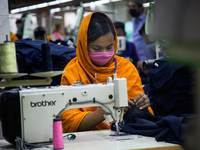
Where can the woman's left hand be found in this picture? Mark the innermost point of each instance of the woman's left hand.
(142, 101)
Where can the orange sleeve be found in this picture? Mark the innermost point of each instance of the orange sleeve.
(134, 83)
(13, 37)
(71, 119)
(48, 37)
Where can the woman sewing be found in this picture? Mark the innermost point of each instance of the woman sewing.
(96, 48)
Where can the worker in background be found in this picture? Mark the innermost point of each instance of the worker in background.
(96, 55)
(18, 22)
(39, 33)
(151, 45)
(20, 26)
(136, 10)
(130, 46)
(56, 35)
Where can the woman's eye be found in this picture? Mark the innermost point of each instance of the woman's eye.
(96, 49)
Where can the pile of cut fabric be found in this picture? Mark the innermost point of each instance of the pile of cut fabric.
(29, 57)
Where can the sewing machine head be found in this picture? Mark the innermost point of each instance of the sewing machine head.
(29, 113)
(121, 45)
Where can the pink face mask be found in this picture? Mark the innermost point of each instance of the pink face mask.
(101, 58)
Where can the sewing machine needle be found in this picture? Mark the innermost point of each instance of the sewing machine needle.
(117, 128)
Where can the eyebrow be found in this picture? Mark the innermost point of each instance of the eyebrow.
(100, 46)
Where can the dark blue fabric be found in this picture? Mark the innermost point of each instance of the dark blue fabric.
(170, 128)
(29, 57)
(170, 88)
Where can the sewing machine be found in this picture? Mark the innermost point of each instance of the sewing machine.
(29, 112)
(121, 45)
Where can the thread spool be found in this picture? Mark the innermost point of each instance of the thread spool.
(46, 57)
(57, 134)
(8, 60)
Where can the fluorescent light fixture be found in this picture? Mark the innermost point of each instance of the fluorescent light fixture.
(57, 17)
(67, 8)
(42, 5)
(23, 9)
(64, 1)
(115, 0)
(53, 3)
(32, 7)
(86, 4)
(101, 2)
(55, 10)
(147, 4)
(91, 4)
(14, 11)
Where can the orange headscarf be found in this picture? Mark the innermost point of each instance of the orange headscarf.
(79, 68)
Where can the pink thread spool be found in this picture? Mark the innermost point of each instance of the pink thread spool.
(57, 134)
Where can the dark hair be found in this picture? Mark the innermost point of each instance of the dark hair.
(18, 21)
(119, 24)
(24, 15)
(39, 31)
(139, 5)
(99, 25)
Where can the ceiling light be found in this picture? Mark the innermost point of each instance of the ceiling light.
(14, 11)
(23, 9)
(42, 5)
(53, 3)
(64, 1)
(32, 7)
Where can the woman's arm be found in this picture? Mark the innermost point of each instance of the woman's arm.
(92, 119)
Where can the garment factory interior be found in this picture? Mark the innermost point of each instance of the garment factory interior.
(105, 74)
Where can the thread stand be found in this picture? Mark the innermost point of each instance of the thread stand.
(9, 82)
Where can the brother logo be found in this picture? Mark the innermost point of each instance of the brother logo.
(43, 103)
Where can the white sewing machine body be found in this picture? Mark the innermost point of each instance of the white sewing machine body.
(39, 106)
(121, 45)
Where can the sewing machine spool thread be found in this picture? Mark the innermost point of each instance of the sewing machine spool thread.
(8, 61)
(46, 58)
(57, 134)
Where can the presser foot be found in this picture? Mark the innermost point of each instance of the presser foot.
(117, 133)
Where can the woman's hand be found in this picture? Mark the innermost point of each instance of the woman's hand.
(130, 104)
(142, 101)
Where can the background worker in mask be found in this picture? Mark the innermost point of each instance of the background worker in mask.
(130, 50)
(136, 10)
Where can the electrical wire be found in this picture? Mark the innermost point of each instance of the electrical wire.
(21, 145)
